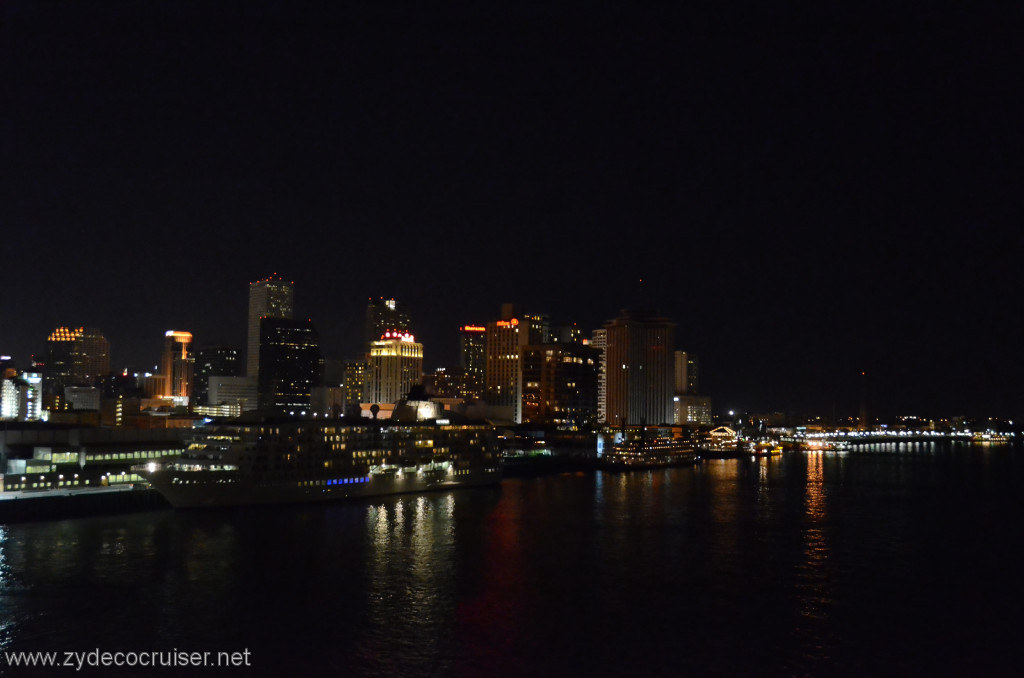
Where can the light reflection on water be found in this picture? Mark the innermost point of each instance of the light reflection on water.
(806, 559)
(815, 579)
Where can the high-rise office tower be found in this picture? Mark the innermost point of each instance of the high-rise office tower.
(355, 384)
(395, 366)
(178, 366)
(75, 357)
(385, 315)
(272, 297)
(686, 375)
(503, 372)
(472, 360)
(213, 361)
(599, 341)
(560, 384)
(639, 362)
(21, 396)
(290, 365)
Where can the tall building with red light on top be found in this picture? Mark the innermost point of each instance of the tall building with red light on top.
(272, 297)
(395, 366)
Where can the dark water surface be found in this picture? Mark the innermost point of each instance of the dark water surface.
(898, 561)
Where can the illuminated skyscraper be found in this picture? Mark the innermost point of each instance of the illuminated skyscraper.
(385, 315)
(272, 297)
(75, 357)
(472, 360)
(395, 366)
(503, 373)
(21, 396)
(639, 362)
(177, 366)
(599, 340)
(290, 365)
(355, 384)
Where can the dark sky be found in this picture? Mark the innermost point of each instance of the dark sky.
(808, 191)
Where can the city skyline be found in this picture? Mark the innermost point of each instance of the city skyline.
(807, 194)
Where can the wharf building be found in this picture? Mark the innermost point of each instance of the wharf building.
(504, 343)
(290, 365)
(41, 456)
(395, 365)
(272, 297)
(640, 382)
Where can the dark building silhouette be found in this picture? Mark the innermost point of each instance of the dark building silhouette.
(213, 361)
(272, 297)
(639, 363)
(472, 360)
(290, 365)
(560, 384)
(382, 316)
(74, 357)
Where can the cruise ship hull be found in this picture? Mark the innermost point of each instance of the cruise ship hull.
(226, 489)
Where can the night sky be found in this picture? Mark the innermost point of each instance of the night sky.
(808, 192)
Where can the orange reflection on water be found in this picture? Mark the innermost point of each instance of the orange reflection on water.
(815, 577)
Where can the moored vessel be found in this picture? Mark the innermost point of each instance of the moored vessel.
(265, 460)
(644, 452)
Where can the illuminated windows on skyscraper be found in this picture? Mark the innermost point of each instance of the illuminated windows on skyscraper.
(272, 297)
(395, 366)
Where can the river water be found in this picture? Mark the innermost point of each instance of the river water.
(891, 560)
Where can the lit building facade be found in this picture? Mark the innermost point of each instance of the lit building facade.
(272, 297)
(599, 341)
(472, 360)
(692, 409)
(239, 392)
(75, 357)
(21, 397)
(355, 384)
(560, 384)
(639, 359)
(395, 366)
(290, 365)
(503, 373)
(177, 366)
